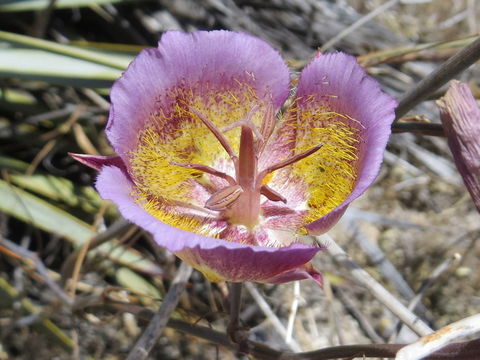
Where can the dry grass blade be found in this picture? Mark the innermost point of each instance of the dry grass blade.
(146, 342)
(24, 254)
(429, 344)
(29, 5)
(47, 217)
(267, 310)
(416, 52)
(363, 20)
(70, 51)
(376, 289)
(10, 296)
(457, 63)
(293, 312)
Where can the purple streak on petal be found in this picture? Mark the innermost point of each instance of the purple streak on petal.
(281, 144)
(342, 84)
(216, 58)
(291, 221)
(233, 261)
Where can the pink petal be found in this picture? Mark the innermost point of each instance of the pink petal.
(338, 82)
(252, 263)
(97, 162)
(214, 59)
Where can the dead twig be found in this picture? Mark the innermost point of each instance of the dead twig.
(267, 310)
(293, 312)
(453, 66)
(420, 128)
(261, 351)
(154, 329)
(362, 320)
(39, 267)
(117, 228)
(363, 20)
(427, 345)
(83, 253)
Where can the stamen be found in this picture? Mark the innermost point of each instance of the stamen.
(271, 194)
(218, 134)
(247, 163)
(190, 206)
(206, 169)
(223, 198)
(289, 161)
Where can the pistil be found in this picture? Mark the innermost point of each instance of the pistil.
(247, 160)
(245, 209)
(239, 202)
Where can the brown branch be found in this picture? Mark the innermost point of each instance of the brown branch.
(261, 351)
(154, 329)
(40, 267)
(457, 351)
(375, 288)
(420, 128)
(453, 66)
(117, 228)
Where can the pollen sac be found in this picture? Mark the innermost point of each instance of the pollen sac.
(223, 198)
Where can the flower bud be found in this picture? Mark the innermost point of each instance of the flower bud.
(460, 116)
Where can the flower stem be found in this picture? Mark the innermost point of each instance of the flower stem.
(234, 329)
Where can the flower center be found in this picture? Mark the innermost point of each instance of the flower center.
(239, 202)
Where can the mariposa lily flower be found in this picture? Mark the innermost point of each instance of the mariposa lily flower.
(211, 167)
